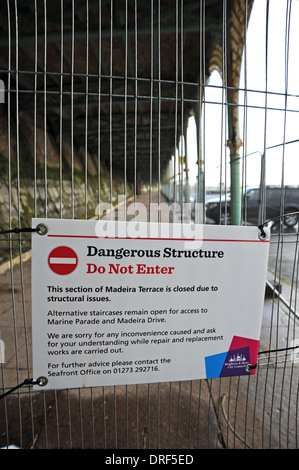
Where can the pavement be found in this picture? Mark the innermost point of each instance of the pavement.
(237, 412)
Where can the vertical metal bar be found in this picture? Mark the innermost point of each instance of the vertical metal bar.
(149, 415)
(61, 106)
(236, 410)
(127, 417)
(125, 108)
(115, 416)
(137, 417)
(190, 416)
(178, 415)
(233, 144)
(18, 204)
(294, 284)
(287, 40)
(296, 414)
(244, 176)
(17, 112)
(135, 103)
(45, 419)
(158, 417)
(104, 418)
(255, 409)
(86, 105)
(203, 129)
(209, 383)
(99, 101)
(80, 418)
(263, 157)
(198, 415)
(246, 413)
(202, 104)
(9, 185)
(170, 414)
(186, 164)
(176, 101)
(45, 107)
(34, 110)
(72, 105)
(244, 139)
(69, 419)
(182, 106)
(110, 97)
(276, 339)
(57, 419)
(263, 215)
(92, 419)
(223, 114)
(217, 412)
(151, 109)
(135, 167)
(235, 206)
(159, 106)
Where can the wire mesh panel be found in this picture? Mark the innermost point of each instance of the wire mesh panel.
(108, 102)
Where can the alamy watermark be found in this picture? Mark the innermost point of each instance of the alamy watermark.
(168, 221)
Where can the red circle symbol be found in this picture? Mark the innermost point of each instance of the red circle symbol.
(63, 260)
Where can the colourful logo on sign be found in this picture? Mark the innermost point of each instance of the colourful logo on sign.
(242, 351)
(63, 260)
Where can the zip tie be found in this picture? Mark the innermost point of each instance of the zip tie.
(278, 350)
(18, 230)
(41, 381)
(261, 226)
(41, 229)
(250, 367)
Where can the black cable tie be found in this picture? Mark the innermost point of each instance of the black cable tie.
(261, 227)
(250, 367)
(18, 230)
(26, 382)
(278, 350)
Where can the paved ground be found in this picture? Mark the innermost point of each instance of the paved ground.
(260, 411)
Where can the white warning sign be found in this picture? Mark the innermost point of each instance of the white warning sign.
(115, 303)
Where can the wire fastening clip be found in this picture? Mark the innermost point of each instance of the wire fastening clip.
(41, 381)
(262, 233)
(249, 367)
(42, 229)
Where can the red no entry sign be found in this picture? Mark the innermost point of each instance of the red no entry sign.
(63, 260)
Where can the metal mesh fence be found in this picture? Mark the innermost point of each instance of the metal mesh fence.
(97, 103)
